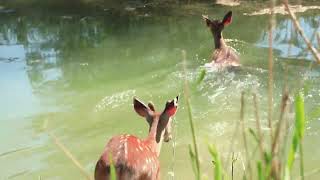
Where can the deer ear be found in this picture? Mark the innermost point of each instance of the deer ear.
(227, 18)
(151, 106)
(171, 107)
(140, 108)
(206, 19)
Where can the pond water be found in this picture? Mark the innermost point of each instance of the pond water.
(74, 75)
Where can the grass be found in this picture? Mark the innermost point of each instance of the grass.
(193, 150)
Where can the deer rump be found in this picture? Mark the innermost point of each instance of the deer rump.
(130, 159)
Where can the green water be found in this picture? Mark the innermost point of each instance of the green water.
(74, 74)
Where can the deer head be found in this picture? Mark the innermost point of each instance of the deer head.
(159, 122)
(216, 27)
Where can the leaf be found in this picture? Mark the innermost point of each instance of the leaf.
(255, 136)
(300, 116)
(292, 152)
(298, 131)
(202, 74)
(260, 171)
(267, 157)
(218, 174)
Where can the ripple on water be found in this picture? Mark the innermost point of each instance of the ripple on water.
(114, 100)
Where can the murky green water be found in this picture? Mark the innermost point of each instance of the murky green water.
(76, 74)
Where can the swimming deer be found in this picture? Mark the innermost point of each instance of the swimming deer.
(135, 158)
(222, 55)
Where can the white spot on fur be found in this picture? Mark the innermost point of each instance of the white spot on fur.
(144, 168)
(125, 150)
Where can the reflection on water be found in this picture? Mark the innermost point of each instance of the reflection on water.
(79, 72)
(288, 42)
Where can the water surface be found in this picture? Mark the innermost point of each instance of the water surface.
(74, 74)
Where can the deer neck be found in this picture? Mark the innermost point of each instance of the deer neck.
(152, 141)
(219, 42)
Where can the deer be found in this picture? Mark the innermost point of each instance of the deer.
(223, 55)
(134, 158)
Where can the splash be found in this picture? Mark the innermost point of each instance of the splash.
(115, 100)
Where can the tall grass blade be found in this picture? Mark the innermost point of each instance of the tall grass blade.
(300, 117)
(292, 151)
(189, 110)
(193, 160)
(201, 76)
(260, 171)
(70, 156)
(254, 135)
(300, 127)
(298, 135)
(218, 173)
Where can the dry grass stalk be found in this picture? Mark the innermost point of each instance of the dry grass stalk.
(244, 135)
(301, 32)
(313, 36)
(70, 156)
(258, 124)
(19, 174)
(232, 143)
(270, 82)
(312, 173)
(14, 151)
(65, 151)
(234, 159)
(276, 139)
(276, 162)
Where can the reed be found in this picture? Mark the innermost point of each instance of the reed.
(66, 152)
(71, 157)
(313, 50)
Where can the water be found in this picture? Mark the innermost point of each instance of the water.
(74, 74)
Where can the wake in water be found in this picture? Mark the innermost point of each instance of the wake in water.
(222, 86)
(114, 100)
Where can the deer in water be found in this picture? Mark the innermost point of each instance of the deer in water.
(135, 158)
(223, 55)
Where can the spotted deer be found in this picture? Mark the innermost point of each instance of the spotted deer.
(223, 55)
(135, 158)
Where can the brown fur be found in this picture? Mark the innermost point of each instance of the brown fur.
(133, 158)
